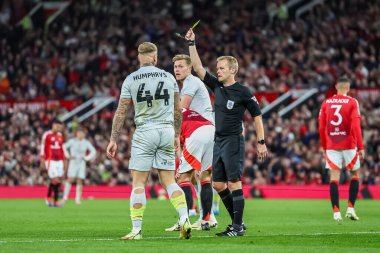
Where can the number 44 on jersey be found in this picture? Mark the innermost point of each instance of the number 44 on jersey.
(143, 96)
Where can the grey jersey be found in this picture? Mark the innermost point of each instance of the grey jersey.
(152, 91)
(79, 149)
(201, 103)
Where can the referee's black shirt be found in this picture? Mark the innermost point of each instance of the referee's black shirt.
(230, 104)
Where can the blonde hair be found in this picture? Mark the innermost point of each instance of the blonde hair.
(231, 62)
(179, 57)
(147, 48)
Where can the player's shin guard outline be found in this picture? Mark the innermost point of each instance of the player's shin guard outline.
(186, 187)
(353, 191)
(238, 205)
(56, 188)
(78, 193)
(227, 200)
(334, 195)
(215, 200)
(137, 206)
(206, 199)
(50, 190)
(179, 202)
(66, 191)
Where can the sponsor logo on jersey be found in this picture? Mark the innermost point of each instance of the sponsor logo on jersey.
(338, 133)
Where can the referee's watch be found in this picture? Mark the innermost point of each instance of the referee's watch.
(262, 142)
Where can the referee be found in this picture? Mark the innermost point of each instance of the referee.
(231, 101)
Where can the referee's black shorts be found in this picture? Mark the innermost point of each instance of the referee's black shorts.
(228, 158)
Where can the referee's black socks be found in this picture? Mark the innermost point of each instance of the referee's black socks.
(226, 197)
(238, 203)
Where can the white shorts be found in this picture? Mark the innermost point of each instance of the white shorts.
(337, 159)
(153, 148)
(54, 168)
(77, 169)
(197, 150)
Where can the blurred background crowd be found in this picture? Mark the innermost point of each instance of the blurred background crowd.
(91, 47)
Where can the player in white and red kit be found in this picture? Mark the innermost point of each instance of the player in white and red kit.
(341, 139)
(52, 159)
(198, 140)
(196, 134)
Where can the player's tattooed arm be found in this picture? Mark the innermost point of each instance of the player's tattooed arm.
(177, 115)
(119, 118)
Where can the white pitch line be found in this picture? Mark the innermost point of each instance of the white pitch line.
(199, 236)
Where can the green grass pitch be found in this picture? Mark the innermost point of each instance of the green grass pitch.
(272, 226)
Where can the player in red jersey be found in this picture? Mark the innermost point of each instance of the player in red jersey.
(341, 139)
(52, 159)
(197, 135)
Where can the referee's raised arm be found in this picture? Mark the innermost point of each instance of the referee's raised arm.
(195, 60)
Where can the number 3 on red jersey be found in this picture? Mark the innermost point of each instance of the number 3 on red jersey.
(337, 114)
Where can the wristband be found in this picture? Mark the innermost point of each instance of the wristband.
(262, 142)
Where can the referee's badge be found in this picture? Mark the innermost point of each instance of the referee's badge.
(230, 104)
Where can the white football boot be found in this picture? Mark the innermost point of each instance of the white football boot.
(351, 214)
(133, 235)
(338, 217)
(175, 227)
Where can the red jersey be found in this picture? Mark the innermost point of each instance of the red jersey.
(339, 123)
(52, 146)
(191, 121)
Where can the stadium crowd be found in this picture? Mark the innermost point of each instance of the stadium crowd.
(90, 48)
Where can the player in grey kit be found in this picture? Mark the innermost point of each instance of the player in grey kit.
(78, 151)
(158, 121)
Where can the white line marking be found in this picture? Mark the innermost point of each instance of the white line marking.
(199, 236)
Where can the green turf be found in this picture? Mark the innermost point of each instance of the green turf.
(273, 226)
